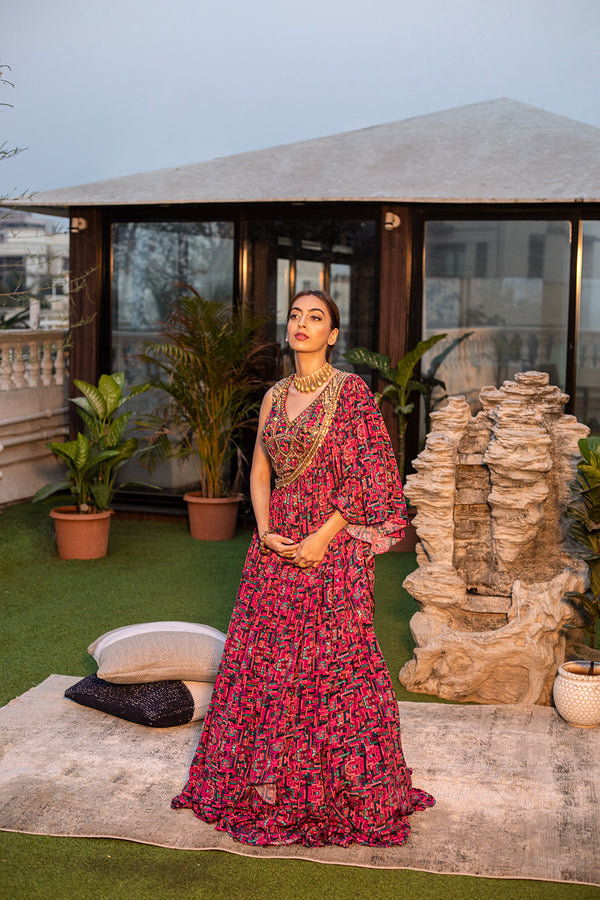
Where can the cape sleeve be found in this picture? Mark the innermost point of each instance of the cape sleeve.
(369, 492)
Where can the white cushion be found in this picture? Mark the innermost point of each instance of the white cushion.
(159, 651)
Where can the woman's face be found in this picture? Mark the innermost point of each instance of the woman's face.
(309, 325)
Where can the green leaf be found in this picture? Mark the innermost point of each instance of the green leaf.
(74, 453)
(119, 379)
(142, 484)
(583, 536)
(417, 386)
(66, 451)
(591, 498)
(577, 595)
(82, 451)
(93, 396)
(407, 364)
(111, 394)
(584, 449)
(360, 356)
(117, 429)
(390, 390)
(98, 458)
(595, 580)
(90, 420)
(590, 604)
(84, 406)
(59, 487)
(139, 389)
(127, 449)
(101, 494)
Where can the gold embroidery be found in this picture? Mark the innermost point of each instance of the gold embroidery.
(317, 433)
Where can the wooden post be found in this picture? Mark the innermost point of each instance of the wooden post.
(394, 291)
(85, 278)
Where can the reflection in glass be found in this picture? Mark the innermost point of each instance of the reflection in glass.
(310, 275)
(587, 398)
(507, 282)
(339, 289)
(152, 263)
(335, 256)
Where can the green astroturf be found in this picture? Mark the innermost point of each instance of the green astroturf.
(52, 609)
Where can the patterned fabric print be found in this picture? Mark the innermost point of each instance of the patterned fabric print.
(303, 711)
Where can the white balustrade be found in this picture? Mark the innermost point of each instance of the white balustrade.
(32, 359)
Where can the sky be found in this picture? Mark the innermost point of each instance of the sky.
(111, 88)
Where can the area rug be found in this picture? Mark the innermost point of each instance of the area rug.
(516, 788)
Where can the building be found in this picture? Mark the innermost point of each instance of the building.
(483, 218)
(34, 266)
(34, 316)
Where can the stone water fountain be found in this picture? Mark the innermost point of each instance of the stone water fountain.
(494, 556)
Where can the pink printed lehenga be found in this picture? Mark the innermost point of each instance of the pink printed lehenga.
(302, 739)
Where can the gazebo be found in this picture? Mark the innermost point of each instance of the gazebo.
(482, 219)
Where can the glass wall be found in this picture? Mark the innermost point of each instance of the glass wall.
(587, 397)
(151, 261)
(506, 285)
(335, 256)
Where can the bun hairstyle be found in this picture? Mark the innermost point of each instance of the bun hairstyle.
(334, 313)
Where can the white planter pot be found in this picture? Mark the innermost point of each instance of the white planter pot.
(577, 694)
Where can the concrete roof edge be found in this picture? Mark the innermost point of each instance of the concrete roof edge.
(63, 211)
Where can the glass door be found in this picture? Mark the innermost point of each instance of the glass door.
(587, 396)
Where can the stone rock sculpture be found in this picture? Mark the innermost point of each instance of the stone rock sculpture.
(495, 558)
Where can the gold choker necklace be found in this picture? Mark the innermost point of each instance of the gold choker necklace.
(306, 384)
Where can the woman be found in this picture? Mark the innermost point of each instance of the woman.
(302, 739)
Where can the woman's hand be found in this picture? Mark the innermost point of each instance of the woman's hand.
(282, 546)
(311, 551)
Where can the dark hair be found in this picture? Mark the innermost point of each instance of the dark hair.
(334, 313)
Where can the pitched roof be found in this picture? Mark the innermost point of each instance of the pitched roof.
(496, 151)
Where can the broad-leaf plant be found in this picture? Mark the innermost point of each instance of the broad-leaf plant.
(94, 458)
(584, 510)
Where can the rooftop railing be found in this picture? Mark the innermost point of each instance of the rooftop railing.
(30, 359)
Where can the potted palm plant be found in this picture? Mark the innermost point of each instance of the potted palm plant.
(206, 373)
(577, 686)
(93, 460)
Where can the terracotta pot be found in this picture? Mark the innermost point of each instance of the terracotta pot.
(81, 535)
(212, 518)
(577, 694)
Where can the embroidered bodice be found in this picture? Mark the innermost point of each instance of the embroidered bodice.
(292, 444)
